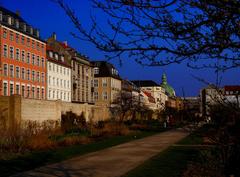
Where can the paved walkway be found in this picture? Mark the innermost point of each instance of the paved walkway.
(111, 162)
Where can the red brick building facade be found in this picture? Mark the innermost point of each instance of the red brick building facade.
(22, 58)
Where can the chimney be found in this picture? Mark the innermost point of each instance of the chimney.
(18, 13)
(54, 36)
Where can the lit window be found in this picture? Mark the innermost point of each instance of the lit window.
(23, 90)
(28, 91)
(104, 82)
(5, 33)
(33, 92)
(23, 40)
(38, 76)
(43, 63)
(11, 36)
(43, 93)
(95, 83)
(56, 56)
(43, 78)
(38, 61)
(50, 54)
(17, 38)
(95, 95)
(38, 93)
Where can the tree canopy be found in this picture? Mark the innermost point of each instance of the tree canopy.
(203, 33)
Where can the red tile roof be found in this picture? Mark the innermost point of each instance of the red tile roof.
(232, 88)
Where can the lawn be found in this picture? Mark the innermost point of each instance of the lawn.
(171, 162)
(41, 158)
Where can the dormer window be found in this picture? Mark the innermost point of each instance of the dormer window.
(96, 70)
(62, 58)
(10, 20)
(50, 54)
(17, 24)
(56, 56)
(24, 27)
(1, 16)
(31, 30)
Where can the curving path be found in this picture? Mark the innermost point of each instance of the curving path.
(111, 162)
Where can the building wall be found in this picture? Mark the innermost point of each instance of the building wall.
(106, 89)
(23, 69)
(59, 82)
(82, 78)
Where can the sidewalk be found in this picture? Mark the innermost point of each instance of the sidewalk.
(111, 162)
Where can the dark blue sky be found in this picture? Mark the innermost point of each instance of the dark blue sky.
(48, 17)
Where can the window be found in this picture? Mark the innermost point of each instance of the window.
(5, 33)
(64, 84)
(49, 66)
(60, 69)
(68, 86)
(57, 82)
(53, 96)
(49, 94)
(23, 90)
(54, 67)
(104, 82)
(17, 72)
(43, 78)
(43, 63)
(28, 91)
(33, 59)
(11, 89)
(28, 74)
(64, 71)
(43, 93)
(17, 89)
(61, 82)
(5, 88)
(95, 95)
(23, 40)
(23, 55)
(42, 48)
(17, 54)
(105, 96)
(38, 76)
(38, 93)
(53, 80)
(96, 70)
(28, 58)
(95, 83)
(49, 80)
(38, 61)
(33, 44)
(33, 92)
(11, 52)
(37, 46)
(11, 68)
(23, 73)
(56, 56)
(17, 38)
(33, 75)
(62, 58)
(28, 42)
(5, 51)
(11, 36)
(57, 68)
(5, 69)
(50, 54)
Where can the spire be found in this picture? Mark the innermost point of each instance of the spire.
(164, 79)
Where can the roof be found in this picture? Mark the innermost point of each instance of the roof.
(105, 69)
(232, 88)
(15, 16)
(145, 83)
(168, 89)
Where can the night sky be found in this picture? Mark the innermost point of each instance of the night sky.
(48, 18)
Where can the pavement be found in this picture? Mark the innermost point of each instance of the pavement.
(111, 162)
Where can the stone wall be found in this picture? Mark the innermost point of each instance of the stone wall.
(15, 109)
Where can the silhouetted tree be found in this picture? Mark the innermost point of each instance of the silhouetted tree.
(204, 33)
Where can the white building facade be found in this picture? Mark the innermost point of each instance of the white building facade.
(58, 77)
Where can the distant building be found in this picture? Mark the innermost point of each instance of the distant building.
(157, 92)
(22, 58)
(168, 89)
(232, 94)
(192, 104)
(59, 76)
(107, 83)
(210, 95)
(81, 73)
(175, 102)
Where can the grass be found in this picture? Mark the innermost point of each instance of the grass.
(41, 158)
(171, 162)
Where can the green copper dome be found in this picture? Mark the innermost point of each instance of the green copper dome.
(169, 90)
